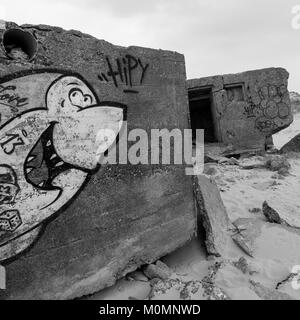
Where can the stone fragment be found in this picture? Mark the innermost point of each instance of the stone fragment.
(277, 211)
(271, 214)
(240, 241)
(292, 146)
(158, 270)
(213, 214)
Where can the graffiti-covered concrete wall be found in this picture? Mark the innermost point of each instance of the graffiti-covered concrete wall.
(69, 226)
(247, 107)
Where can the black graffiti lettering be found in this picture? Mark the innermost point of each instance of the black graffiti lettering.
(10, 220)
(125, 70)
(132, 63)
(250, 109)
(144, 68)
(5, 189)
(122, 69)
(11, 143)
(111, 72)
(270, 105)
(2, 88)
(7, 96)
(8, 184)
(22, 102)
(130, 91)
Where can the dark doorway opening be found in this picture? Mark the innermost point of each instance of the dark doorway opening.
(201, 113)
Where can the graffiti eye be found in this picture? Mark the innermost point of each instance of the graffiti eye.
(78, 99)
(87, 99)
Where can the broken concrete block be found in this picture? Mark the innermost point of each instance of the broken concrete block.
(281, 212)
(77, 223)
(240, 242)
(271, 214)
(213, 214)
(158, 270)
(292, 146)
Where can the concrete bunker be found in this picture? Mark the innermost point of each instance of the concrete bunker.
(118, 217)
(243, 109)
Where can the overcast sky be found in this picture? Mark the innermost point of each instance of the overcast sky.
(216, 36)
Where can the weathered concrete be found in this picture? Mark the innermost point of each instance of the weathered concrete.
(292, 146)
(158, 270)
(213, 215)
(105, 223)
(248, 107)
(282, 213)
(271, 214)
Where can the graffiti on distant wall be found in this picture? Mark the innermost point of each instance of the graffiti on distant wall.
(122, 70)
(269, 107)
(49, 147)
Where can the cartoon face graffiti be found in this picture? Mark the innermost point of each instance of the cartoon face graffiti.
(47, 151)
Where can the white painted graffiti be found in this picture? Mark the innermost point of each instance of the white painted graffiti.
(49, 145)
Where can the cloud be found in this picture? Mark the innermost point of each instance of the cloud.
(2, 12)
(215, 36)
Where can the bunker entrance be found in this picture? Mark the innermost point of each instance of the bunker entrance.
(200, 103)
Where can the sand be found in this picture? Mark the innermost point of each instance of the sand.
(266, 275)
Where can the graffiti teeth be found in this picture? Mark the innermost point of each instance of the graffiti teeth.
(30, 158)
(29, 169)
(59, 164)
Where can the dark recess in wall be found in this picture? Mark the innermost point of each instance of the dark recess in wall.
(201, 113)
